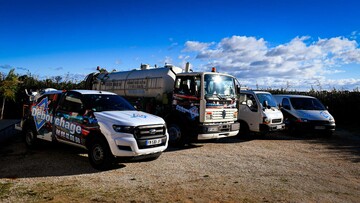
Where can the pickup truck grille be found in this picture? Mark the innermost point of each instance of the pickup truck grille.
(276, 120)
(149, 131)
(143, 134)
(218, 115)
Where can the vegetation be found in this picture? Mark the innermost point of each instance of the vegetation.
(343, 105)
(13, 86)
(8, 87)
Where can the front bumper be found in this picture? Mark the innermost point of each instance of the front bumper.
(128, 146)
(216, 131)
(314, 126)
(272, 127)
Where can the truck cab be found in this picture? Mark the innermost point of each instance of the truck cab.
(203, 106)
(102, 122)
(258, 112)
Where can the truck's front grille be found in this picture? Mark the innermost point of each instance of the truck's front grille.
(224, 114)
(278, 120)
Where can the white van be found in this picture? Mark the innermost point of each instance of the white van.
(305, 113)
(258, 112)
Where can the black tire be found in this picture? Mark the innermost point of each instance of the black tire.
(99, 153)
(30, 138)
(176, 135)
(244, 130)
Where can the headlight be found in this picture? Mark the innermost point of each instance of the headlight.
(302, 120)
(208, 115)
(266, 120)
(123, 129)
(213, 129)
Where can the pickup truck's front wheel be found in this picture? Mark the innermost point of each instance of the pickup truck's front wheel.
(99, 153)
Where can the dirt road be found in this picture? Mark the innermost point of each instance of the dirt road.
(277, 168)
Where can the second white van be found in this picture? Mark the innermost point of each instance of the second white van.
(305, 113)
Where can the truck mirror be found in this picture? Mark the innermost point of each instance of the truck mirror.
(265, 104)
(237, 89)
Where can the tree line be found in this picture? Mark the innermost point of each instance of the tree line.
(13, 94)
(343, 105)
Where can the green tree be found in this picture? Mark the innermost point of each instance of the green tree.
(8, 88)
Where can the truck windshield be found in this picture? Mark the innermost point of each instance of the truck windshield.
(219, 85)
(307, 104)
(266, 97)
(100, 102)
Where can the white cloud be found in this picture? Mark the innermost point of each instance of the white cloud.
(196, 46)
(299, 62)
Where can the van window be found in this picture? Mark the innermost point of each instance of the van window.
(286, 103)
(307, 104)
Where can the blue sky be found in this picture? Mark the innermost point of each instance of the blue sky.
(265, 44)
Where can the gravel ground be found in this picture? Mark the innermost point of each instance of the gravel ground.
(275, 168)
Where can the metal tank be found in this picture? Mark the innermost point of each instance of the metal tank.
(146, 82)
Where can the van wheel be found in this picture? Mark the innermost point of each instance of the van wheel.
(100, 156)
(176, 136)
(30, 138)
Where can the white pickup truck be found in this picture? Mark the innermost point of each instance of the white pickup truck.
(102, 122)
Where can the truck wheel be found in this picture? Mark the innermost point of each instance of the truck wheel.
(30, 138)
(244, 129)
(176, 137)
(99, 153)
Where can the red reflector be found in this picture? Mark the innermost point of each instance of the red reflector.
(85, 132)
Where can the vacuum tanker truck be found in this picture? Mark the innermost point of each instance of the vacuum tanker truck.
(195, 105)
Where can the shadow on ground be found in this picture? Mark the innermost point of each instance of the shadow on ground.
(17, 161)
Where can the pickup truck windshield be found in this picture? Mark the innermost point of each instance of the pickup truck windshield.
(307, 104)
(100, 102)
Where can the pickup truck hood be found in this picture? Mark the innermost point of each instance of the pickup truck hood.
(314, 115)
(128, 118)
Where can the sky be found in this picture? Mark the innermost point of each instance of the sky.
(289, 44)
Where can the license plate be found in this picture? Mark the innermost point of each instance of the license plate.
(279, 127)
(153, 142)
(319, 127)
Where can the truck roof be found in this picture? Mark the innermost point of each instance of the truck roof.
(254, 91)
(203, 73)
(93, 92)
